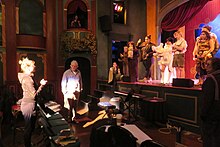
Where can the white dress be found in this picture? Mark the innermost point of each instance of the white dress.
(165, 54)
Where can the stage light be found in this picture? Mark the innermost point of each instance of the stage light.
(118, 8)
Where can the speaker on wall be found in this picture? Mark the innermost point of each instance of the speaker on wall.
(105, 23)
(182, 82)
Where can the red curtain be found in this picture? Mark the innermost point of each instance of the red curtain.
(182, 14)
(76, 4)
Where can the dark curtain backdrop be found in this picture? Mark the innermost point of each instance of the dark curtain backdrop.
(72, 8)
(182, 14)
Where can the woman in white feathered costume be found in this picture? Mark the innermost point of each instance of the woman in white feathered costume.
(28, 102)
(166, 58)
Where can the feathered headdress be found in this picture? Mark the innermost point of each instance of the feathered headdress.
(25, 63)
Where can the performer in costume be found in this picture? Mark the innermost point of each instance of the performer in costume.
(130, 50)
(28, 102)
(166, 58)
(203, 49)
(179, 49)
(124, 59)
(133, 62)
(146, 56)
(214, 37)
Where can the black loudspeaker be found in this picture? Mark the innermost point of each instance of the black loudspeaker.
(182, 82)
(126, 79)
(105, 23)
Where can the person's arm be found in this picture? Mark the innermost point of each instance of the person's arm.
(79, 23)
(118, 76)
(195, 51)
(80, 81)
(182, 47)
(138, 44)
(110, 75)
(42, 83)
(28, 86)
(212, 45)
(64, 83)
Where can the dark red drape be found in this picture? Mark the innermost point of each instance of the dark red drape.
(76, 4)
(182, 14)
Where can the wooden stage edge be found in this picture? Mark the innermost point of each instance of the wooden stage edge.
(182, 103)
(158, 84)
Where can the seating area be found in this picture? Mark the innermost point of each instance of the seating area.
(57, 128)
(52, 128)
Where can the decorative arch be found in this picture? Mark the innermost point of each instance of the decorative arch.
(72, 6)
(167, 8)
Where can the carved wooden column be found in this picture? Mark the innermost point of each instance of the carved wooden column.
(51, 39)
(10, 35)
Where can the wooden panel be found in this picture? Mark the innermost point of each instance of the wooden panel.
(30, 42)
(182, 107)
(1, 68)
(183, 104)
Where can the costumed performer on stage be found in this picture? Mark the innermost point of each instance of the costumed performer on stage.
(179, 49)
(28, 102)
(166, 58)
(124, 59)
(146, 56)
(214, 37)
(203, 49)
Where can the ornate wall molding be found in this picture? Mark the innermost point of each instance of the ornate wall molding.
(77, 41)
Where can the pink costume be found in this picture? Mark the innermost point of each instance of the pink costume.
(29, 92)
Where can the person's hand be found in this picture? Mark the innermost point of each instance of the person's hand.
(139, 41)
(202, 56)
(154, 48)
(43, 82)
